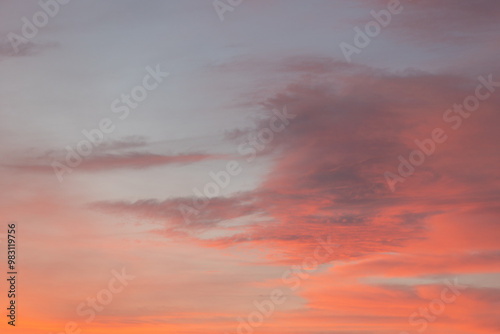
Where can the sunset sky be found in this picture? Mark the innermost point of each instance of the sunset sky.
(255, 166)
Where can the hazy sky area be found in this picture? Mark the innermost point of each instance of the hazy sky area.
(254, 166)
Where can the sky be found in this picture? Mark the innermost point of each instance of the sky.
(250, 166)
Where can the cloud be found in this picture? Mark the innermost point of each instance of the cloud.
(328, 174)
(24, 50)
(137, 160)
(131, 160)
(444, 21)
